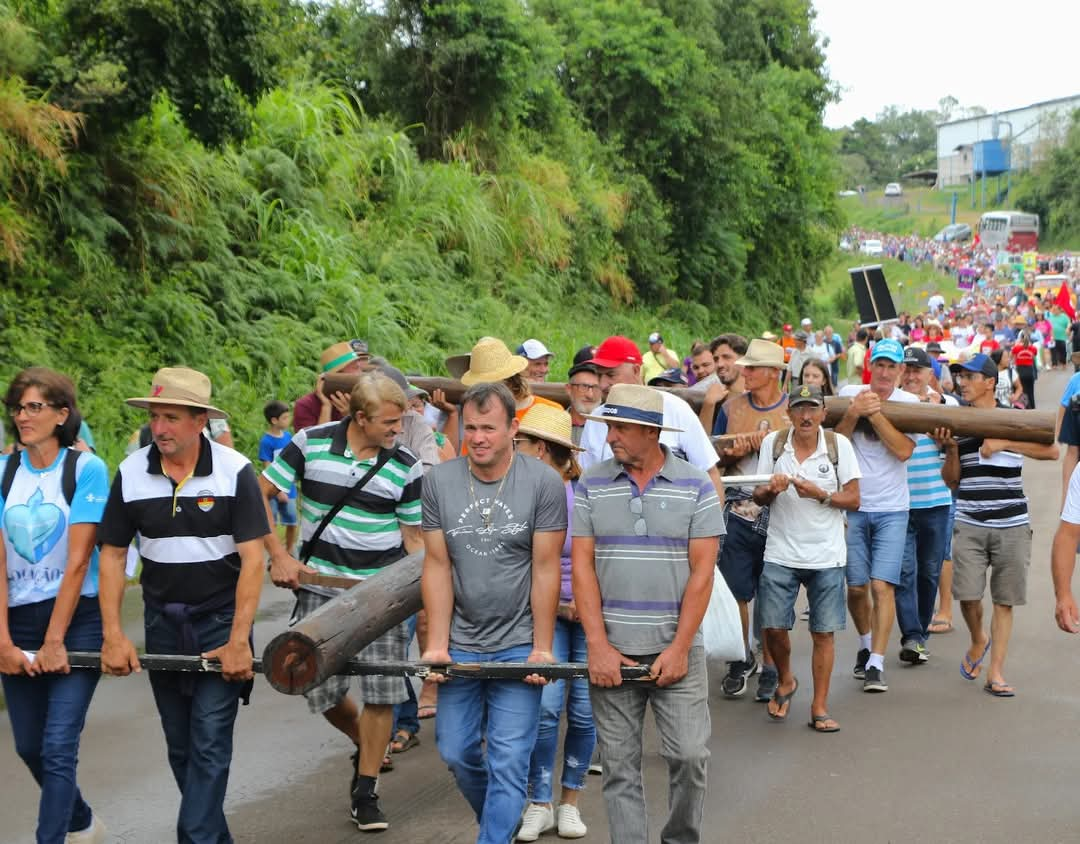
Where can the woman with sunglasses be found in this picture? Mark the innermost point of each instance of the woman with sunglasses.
(546, 434)
(49, 600)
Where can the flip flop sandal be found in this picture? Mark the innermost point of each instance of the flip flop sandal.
(404, 740)
(822, 719)
(999, 689)
(967, 667)
(387, 762)
(780, 700)
(945, 625)
(427, 710)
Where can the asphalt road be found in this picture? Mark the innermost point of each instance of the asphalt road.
(934, 759)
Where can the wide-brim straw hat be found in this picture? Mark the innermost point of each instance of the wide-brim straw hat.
(635, 404)
(337, 357)
(491, 361)
(182, 386)
(763, 353)
(545, 422)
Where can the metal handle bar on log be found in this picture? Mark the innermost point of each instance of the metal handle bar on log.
(1036, 426)
(355, 667)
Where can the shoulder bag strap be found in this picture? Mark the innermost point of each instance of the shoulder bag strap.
(308, 547)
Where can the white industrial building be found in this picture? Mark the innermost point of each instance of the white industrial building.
(1026, 136)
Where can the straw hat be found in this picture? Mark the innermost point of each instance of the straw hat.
(635, 404)
(337, 357)
(763, 353)
(491, 361)
(182, 386)
(548, 423)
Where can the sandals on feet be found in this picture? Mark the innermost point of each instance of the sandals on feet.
(940, 625)
(999, 689)
(782, 700)
(404, 740)
(970, 670)
(823, 724)
(426, 710)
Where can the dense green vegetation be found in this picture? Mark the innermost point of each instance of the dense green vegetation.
(1052, 190)
(233, 184)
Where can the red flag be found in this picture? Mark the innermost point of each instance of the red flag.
(1064, 300)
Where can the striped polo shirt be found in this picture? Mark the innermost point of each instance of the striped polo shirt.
(642, 560)
(365, 535)
(991, 492)
(188, 532)
(925, 486)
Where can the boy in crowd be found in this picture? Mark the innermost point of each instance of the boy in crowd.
(277, 436)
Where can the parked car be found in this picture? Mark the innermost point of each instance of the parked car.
(893, 189)
(954, 233)
(872, 248)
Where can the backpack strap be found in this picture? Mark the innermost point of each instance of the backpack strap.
(68, 474)
(782, 437)
(833, 452)
(10, 468)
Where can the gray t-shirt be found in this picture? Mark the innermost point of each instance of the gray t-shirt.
(492, 566)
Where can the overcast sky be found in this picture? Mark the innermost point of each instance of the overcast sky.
(999, 54)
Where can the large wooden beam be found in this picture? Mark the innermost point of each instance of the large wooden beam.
(1037, 426)
(318, 646)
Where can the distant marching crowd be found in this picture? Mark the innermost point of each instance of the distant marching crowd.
(586, 534)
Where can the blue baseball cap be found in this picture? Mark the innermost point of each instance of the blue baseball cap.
(977, 363)
(888, 349)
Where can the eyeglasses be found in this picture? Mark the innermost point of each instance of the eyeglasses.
(579, 386)
(640, 527)
(32, 408)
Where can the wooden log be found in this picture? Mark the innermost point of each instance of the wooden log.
(1036, 426)
(318, 647)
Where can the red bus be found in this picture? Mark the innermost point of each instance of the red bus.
(1009, 231)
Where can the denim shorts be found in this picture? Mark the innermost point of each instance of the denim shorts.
(741, 558)
(779, 587)
(284, 513)
(875, 546)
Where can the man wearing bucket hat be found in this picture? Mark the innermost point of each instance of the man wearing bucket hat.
(316, 408)
(618, 361)
(744, 421)
(196, 508)
(877, 531)
(646, 530)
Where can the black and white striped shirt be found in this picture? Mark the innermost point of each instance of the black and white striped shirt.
(188, 532)
(991, 493)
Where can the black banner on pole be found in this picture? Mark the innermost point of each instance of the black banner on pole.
(872, 295)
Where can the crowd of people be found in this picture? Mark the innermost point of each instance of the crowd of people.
(586, 534)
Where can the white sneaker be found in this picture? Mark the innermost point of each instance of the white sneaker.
(93, 834)
(570, 825)
(537, 820)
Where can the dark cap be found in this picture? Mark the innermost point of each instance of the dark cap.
(914, 356)
(978, 363)
(807, 394)
(359, 347)
(933, 348)
(668, 376)
(582, 361)
(801, 335)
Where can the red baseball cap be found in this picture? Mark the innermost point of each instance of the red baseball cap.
(615, 351)
(787, 326)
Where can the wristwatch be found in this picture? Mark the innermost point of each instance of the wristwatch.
(827, 500)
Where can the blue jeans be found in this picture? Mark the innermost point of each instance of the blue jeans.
(406, 715)
(569, 646)
(923, 554)
(875, 546)
(198, 727)
(48, 712)
(491, 778)
(779, 587)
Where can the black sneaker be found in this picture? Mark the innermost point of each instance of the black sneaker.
(859, 671)
(875, 681)
(914, 653)
(768, 680)
(734, 682)
(366, 813)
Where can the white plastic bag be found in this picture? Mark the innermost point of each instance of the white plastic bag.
(721, 628)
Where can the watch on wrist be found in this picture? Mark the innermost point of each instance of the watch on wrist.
(827, 500)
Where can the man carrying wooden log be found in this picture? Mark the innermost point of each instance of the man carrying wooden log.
(494, 528)
(877, 531)
(993, 528)
(360, 513)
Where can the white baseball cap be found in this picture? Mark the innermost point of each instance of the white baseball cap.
(807, 321)
(534, 350)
